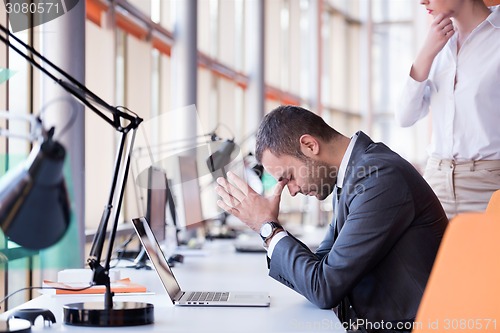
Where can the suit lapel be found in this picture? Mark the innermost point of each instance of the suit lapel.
(363, 143)
(336, 205)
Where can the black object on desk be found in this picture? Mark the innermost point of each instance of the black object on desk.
(32, 314)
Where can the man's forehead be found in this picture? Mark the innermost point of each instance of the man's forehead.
(277, 166)
(271, 160)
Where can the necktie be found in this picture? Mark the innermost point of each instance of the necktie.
(342, 308)
(338, 191)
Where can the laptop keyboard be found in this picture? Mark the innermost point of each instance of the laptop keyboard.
(198, 296)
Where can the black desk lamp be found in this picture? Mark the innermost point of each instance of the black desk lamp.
(217, 162)
(108, 313)
(34, 204)
(33, 197)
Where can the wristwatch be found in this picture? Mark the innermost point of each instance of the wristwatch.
(268, 230)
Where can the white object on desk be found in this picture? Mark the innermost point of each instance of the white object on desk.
(83, 275)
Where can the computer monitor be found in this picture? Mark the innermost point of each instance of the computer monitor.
(191, 196)
(176, 201)
(157, 199)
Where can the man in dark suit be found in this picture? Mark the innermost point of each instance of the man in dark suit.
(388, 224)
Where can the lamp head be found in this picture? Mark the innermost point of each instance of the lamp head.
(220, 158)
(34, 205)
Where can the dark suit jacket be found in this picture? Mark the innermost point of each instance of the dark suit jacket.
(390, 226)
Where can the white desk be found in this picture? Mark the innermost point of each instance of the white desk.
(220, 269)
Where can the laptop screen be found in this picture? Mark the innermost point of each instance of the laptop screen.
(156, 256)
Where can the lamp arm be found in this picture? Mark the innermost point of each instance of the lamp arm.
(99, 238)
(73, 86)
(101, 273)
(93, 102)
(117, 184)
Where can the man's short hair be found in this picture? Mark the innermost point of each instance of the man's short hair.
(281, 129)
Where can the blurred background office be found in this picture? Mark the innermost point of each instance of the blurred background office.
(226, 63)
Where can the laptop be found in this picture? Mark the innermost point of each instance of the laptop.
(190, 298)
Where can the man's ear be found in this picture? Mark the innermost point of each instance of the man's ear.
(309, 145)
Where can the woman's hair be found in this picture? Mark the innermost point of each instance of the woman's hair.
(281, 129)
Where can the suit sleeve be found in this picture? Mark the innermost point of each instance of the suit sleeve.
(379, 212)
(326, 245)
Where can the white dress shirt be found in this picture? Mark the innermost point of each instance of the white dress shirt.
(465, 115)
(340, 180)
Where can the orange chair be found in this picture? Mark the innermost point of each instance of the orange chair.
(463, 292)
(494, 204)
(492, 2)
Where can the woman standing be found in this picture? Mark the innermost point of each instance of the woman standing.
(456, 76)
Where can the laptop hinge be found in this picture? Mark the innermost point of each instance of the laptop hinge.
(179, 295)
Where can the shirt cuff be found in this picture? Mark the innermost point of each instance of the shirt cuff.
(276, 238)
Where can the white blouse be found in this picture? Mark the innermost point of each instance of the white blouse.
(465, 115)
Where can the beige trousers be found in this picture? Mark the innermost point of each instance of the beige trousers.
(463, 187)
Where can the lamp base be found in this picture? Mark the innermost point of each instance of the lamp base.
(95, 314)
